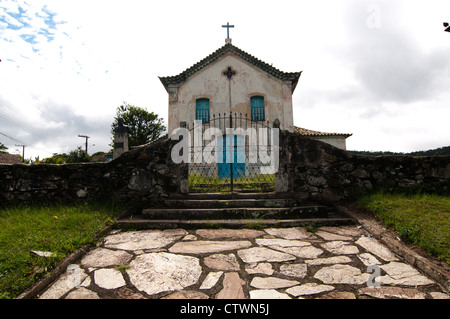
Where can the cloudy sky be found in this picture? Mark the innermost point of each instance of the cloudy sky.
(377, 69)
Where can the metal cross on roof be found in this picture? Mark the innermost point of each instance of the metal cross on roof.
(228, 26)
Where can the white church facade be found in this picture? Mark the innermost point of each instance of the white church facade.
(232, 81)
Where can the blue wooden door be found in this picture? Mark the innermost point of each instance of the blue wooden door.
(232, 151)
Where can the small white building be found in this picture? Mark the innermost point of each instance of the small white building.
(336, 139)
(232, 81)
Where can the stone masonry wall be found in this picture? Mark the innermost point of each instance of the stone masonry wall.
(311, 169)
(143, 173)
(318, 171)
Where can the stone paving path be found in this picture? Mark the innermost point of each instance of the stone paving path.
(274, 263)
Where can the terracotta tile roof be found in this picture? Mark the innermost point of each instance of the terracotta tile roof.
(6, 158)
(229, 48)
(306, 132)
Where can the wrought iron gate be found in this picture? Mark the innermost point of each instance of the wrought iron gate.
(231, 153)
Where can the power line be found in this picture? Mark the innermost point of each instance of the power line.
(19, 123)
(12, 138)
(22, 143)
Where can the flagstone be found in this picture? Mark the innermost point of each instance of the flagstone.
(302, 252)
(232, 287)
(257, 254)
(351, 231)
(186, 294)
(206, 246)
(330, 236)
(82, 293)
(340, 247)
(373, 246)
(45, 254)
(338, 295)
(229, 233)
(108, 278)
(439, 295)
(402, 274)
(281, 242)
(392, 292)
(272, 283)
(159, 263)
(294, 270)
(267, 294)
(368, 259)
(157, 272)
(341, 274)
(308, 289)
(290, 233)
(329, 260)
(222, 262)
(259, 268)
(211, 279)
(127, 293)
(276, 242)
(72, 278)
(189, 237)
(145, 239)
(102, 257)
(86, 282)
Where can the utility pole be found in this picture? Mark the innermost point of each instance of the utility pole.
(23, 151)
(86, 137)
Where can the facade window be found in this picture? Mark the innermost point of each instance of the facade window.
(257, 108)
(202, 110)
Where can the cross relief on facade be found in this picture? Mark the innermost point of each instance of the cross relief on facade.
(229, 73)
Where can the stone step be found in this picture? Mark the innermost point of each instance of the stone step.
(315, 211)
(218, 196)
(137, 222)
(234, 210)
(229, 203)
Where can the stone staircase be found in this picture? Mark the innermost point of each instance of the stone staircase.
(234, 210)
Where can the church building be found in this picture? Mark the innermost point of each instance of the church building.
(232, 81)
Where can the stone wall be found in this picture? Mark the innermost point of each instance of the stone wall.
(143, 173)
(318, 171)
(312, 169)
(48, 182)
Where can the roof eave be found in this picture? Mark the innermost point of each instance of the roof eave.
(216, 55)
(295, 81)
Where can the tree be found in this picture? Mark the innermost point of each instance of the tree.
(143, 126)
(3, 148)
(77, 156)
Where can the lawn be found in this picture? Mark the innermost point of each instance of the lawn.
(422, 220)
(201, 183)
(60, 229)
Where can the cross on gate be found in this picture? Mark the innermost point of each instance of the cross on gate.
(228, 26)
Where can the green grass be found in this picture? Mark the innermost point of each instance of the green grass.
(422, 220)
(60, 229)
(258, 183)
